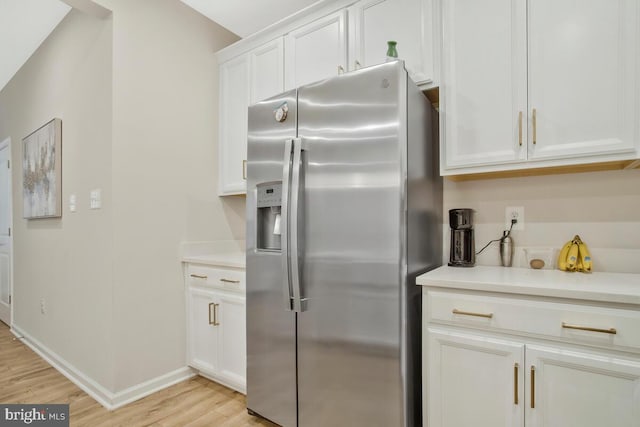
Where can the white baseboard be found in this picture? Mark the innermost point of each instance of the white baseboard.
(233, 385)
(103, 396)
(146, 388)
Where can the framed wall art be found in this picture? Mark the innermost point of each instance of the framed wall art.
(42, 171)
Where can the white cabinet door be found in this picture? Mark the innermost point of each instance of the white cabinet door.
(473, 380)
(232, 143)
(202, 333)
(266, 65)
(409, 22)
(316, 51)
(583, 77)
(484, 82)
(579, 389)
(232, 354)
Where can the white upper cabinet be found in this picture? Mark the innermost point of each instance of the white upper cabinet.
(484, 87)
(409, 22)
(552, 85)
(266, 65)
(583, 68)
(244, 80)
(232, 141)
(316, 51)
(322, 42)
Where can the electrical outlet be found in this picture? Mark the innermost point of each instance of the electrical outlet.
(514, 212)
(42, 306)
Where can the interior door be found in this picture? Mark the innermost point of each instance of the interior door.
(5, 232)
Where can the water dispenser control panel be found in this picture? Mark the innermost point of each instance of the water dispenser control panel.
(269, 195)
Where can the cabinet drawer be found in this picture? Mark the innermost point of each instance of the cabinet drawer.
(571, 322)
(221, 278)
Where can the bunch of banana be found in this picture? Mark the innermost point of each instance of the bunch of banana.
(575, 256)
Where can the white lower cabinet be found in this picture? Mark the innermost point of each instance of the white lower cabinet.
(232, 350)
(484, 368)
(573, 388)
(203, 332)
(474, 380)
(216, 328)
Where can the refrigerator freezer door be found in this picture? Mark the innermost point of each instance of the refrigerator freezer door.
(271, 326)
(353, 262)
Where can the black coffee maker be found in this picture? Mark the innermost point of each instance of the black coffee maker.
(463, 245)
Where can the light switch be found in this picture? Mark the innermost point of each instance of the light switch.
(73, 201)
(95, 199)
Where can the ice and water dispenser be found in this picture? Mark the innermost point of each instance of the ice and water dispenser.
(269, 219)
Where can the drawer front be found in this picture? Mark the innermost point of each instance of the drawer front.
(216, 277)
(580, 323)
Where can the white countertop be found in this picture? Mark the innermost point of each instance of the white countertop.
(605, 287)
(222, 253)
(236, 260)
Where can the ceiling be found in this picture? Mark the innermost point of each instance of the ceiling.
(24, 25)
(245, 17)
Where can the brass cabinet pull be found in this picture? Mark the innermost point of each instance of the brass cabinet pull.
(533, 387)
(197, 276)
(533, 118)
(211, 322)
(515, 384)
(468, 313)
(340, 69)
(520, 128)
(215, 315)
(229, 281)
(244, 169)
(611, 331)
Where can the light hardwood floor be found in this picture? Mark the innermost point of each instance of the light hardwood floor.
(26, 378)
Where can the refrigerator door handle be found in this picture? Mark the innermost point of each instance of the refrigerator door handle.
(299, 303)
(284, 231)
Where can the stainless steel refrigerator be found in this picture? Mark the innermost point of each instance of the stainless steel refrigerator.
(344, 209)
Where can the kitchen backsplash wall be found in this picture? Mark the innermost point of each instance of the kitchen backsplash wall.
(602, 207)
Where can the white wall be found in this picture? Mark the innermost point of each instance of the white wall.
(67, 261)
(165, 103)
(137, 94)
(602, 207)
